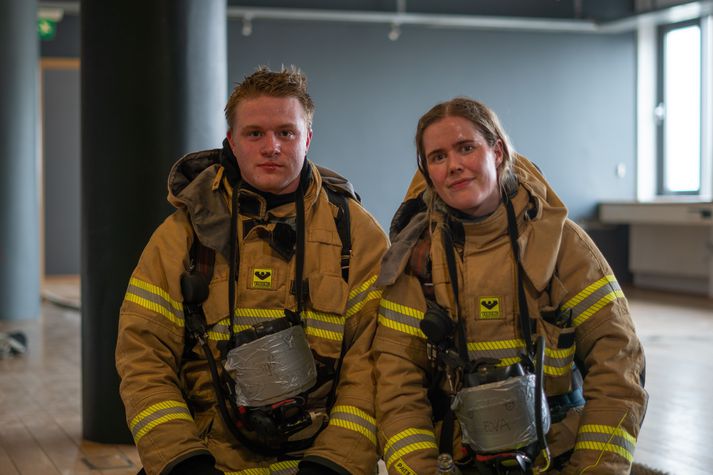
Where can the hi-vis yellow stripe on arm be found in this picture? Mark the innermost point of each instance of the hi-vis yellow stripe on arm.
(362, 295)
(603, 438)
(157, 414)
(354, 419)
(400, 318)
(406, 442)
(156, 299)
(593, 298)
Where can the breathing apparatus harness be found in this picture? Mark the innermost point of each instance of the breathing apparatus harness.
(262, 419)
(501, 410)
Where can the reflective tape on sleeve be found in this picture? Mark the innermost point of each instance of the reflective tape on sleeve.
(354, 419)
(154, 298)
(604, 438)
(157, 414)
(407, 442)
(593, 298)
(401, 318)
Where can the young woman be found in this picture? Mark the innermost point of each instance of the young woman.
(486, 285)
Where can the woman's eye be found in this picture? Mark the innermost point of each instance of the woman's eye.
(467, 148)
(436, 157)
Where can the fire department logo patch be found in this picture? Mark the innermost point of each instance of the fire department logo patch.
(262, 278)
(489, 308)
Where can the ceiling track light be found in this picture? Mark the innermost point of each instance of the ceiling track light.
(394, 32)
(247, 29)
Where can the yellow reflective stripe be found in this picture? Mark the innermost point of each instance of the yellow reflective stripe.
(609, 430)
(321, 333)
(156, 290)
(287, 466)
(153, 408)
(408, 449)
(407, 433)
(179, 411)
(509, 361)
(604, 446)
(355, 411)
(324, 317)
(354, 427)
(365, 285)
(402, 309)
(559, 354)
(496, 345)
(367, 427)
(259, 312)
(590, 289)
(401, 327)
(610, 297)
(371, 296)
(218, 336)
(160, 420)
(251, 471)
(154, 307)
(556, 370)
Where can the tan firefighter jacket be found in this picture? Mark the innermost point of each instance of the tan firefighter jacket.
(170, 404)
(565, 275)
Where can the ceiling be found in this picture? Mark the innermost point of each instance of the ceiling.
(593, 10)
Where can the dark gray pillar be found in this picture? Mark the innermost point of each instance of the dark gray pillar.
(19, 211)
(154, 85)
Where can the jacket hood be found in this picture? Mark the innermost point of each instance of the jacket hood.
(539, 242)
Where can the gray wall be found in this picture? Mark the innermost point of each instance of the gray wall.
(567, 100)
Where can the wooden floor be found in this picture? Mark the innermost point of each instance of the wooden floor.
(40, 412)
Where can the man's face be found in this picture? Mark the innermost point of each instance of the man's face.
(270, 139)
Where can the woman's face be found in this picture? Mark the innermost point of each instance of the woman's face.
(462, 166)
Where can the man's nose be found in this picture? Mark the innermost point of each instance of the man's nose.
(270, 145)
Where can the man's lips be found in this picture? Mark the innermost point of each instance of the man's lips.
(269, 166)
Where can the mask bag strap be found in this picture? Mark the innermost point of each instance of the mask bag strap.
(445, 445)
(524, 313)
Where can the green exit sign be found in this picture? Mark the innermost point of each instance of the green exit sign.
(46, 28)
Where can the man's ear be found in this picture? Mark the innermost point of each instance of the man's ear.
(309, 140)
(229, 136)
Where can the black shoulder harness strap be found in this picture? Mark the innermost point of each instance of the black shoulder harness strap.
(202, 258)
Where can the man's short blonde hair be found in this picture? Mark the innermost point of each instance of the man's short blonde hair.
(288, 82)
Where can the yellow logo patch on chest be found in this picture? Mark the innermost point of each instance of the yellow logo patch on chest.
(489, 308)
(262, 279)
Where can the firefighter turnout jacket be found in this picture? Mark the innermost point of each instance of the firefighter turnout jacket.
(169, 397)
(573, 298)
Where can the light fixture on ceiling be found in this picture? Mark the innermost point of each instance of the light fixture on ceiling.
(394, 32)
(247, 29)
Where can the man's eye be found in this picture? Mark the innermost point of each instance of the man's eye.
(254, 133)
(466, 148)
(287, 133)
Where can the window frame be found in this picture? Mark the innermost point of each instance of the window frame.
(662, 31)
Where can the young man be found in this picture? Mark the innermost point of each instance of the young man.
(270, 373)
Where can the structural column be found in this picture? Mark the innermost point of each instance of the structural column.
(19, 212)
(154, 81)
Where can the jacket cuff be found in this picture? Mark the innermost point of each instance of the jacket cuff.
(315, 464)
(183, 457)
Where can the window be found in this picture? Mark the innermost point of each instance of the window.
(678, 112)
